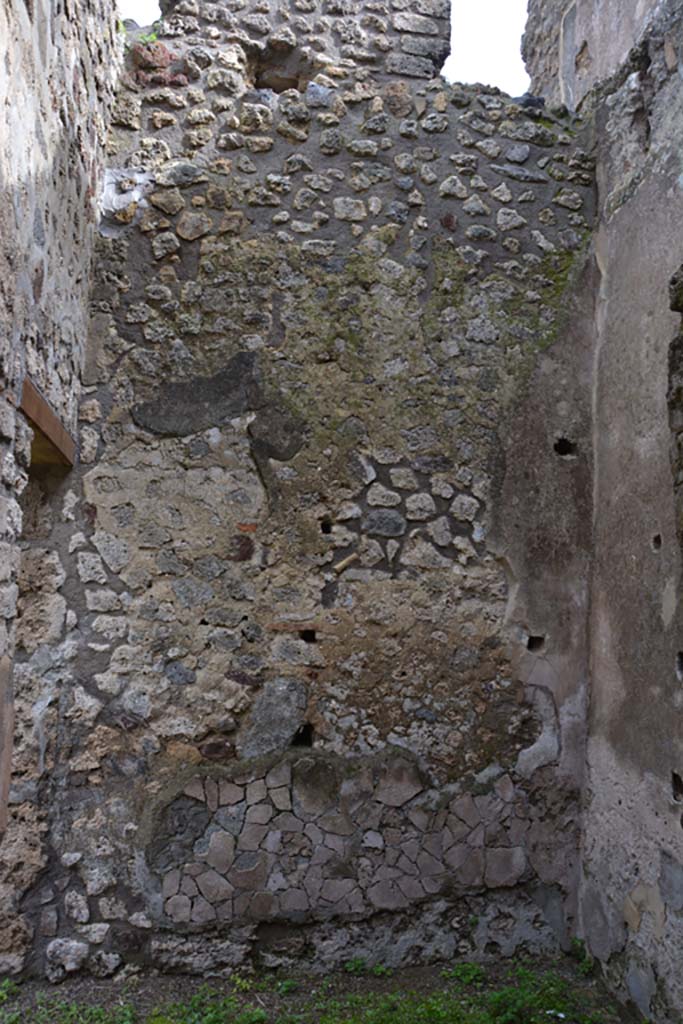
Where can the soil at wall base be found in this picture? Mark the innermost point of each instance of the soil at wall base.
(148, 991)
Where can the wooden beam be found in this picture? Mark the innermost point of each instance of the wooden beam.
(52, 443)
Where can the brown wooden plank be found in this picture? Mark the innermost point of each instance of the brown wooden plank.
(53, 443)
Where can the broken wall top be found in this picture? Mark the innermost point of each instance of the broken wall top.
(294, 40)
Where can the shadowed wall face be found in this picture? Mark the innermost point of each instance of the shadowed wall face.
(632, 868)
(56, 87)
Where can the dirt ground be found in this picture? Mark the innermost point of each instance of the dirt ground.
(276, 992)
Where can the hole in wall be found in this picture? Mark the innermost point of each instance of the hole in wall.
(677, 787)
(304, 736)
(326, 525)
(679, 666)
(280, 69)
(565, 448)
(657, 542)
(308, 635)
(535, 643)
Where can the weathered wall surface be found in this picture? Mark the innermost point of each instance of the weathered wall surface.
(371, 564)
(632, 851)
(326, 555)
(570, 46)
(56, 82)
(633, 843)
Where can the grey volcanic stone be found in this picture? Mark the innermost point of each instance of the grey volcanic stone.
(179, 908)
(221, 851)
(179, 674)
(518, 173)
(279, 775)
(164, 244)
(275, 433)
(277, 714)
(250, 871)
(64, 956)
(400, 783)
(214, 887)
(281, 799)
(467, 865)
(315, 789)
(518, 153)
(384, 522)
(202, 911)
(230, 793)
(386, 896)
(413, 67)
(504, 866)
(180, 173)
(230, 818)
(381, 496)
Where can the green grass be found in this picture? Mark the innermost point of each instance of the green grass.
(585, 962)
(467, 994)
(465, 974)
(58, 1012)
(355, 966)
(8, 989)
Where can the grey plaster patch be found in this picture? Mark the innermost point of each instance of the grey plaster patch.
(642, 986)
(186, 407)
(545, 750)
(671, 883)
(275, 433)
(183, 823)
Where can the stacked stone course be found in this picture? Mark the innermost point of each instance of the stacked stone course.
(335, 842)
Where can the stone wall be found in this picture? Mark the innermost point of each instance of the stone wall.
(632, 851)
(571, 45)
(56, 84)
(541, 48)
(325, 557)
(284, 44)
(633, 841)
(356, 631)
